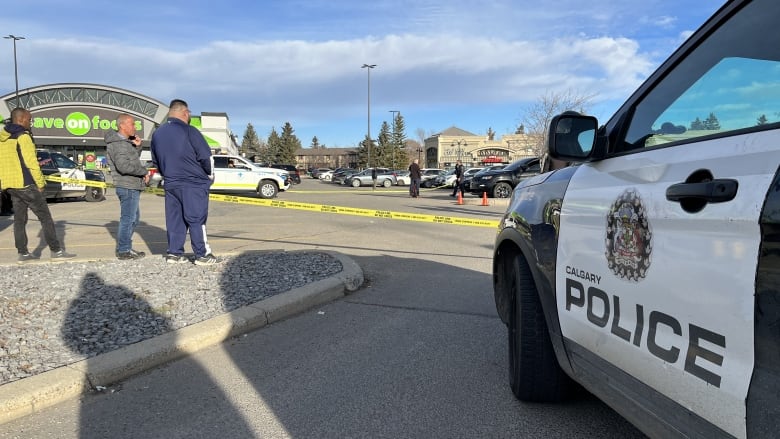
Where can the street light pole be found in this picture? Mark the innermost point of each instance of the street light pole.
(16, 70)
(459, 150)
(394, 112)
(368, 128)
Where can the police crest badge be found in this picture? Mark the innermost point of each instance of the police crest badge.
(629, 238)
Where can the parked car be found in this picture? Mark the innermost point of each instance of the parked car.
(428, 174)
(499, 183)
(646, 271)
(234, 174)
(444, 180)
(295, 175)
(325, 175)
(402, 178)
(315, 173)
(468, 174)
(384, 178)
(340, 176)
(58, 165)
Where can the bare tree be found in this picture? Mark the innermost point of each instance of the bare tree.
(536, 119)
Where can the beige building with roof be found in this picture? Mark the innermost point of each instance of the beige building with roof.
(442, 150)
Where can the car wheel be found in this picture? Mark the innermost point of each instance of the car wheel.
(534, 373)
(267, 189)
(94, 194)
(502, 190)
(356, 183)
(387, 183)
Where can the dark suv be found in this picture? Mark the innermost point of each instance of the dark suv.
(295, 176)
(499, 183)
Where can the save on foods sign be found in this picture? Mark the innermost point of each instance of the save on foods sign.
(78, 122)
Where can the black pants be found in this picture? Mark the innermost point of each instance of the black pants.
(455, 186)
(30, 197)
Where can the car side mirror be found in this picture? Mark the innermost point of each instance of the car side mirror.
(572, 137)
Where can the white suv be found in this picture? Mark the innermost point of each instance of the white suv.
(648, 272)
(237, 174)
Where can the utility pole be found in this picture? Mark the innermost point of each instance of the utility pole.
(16, 70)
(368, 129)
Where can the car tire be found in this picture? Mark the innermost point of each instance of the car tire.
(94, 194)
(267, 189)
(502, 190)
(356, 183)
(387, 183)
(534, 373)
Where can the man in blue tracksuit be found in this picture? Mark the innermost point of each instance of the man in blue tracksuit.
(183, 157)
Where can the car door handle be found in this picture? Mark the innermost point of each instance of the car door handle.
(714, 191)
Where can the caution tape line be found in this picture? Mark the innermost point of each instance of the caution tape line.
(92, 183)
(356, 211)
(311, 207)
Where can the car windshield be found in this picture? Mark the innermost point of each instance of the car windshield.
(62, 161)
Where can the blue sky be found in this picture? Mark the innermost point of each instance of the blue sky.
(441, 63)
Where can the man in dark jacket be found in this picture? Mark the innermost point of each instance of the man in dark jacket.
(183, 158)
(458, 183)
(130, 178)
(415, 176)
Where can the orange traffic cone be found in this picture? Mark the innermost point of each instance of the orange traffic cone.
(460, 198)
(484, 199)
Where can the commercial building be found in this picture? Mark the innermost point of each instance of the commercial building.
(73, 118)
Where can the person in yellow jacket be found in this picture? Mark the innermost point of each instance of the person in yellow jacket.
(21, 177)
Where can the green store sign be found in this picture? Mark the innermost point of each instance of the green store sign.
(77, 123)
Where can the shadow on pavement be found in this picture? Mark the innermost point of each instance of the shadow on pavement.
(416, 355)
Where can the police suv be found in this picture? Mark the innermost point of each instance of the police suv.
(234, 174)
(649, 273)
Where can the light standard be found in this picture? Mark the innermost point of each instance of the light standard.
(368, 130)
(394, 112)
(16, 71)
(419, 151)
(459, 149)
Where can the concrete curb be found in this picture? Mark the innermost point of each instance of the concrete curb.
(23, 397)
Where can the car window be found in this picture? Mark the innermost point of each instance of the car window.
(221, 162)
(45, 161)
(62, 161)
(729, 83)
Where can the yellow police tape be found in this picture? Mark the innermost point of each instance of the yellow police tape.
(311, 207)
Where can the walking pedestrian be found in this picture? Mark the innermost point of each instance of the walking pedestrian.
(21, 176)
(183, 158)
(415, 176)
(458, 184)
(123, 150)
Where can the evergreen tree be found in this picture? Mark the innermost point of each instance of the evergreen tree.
(363, 153)
(711, 123)
(289, 144)
(381, 156)
(269, 153)
(697, 124)
(399, 157)
(250, 144)
(315, 143)
(762, 120)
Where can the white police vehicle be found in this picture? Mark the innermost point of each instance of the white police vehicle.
(650, 272)
(234, 174)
